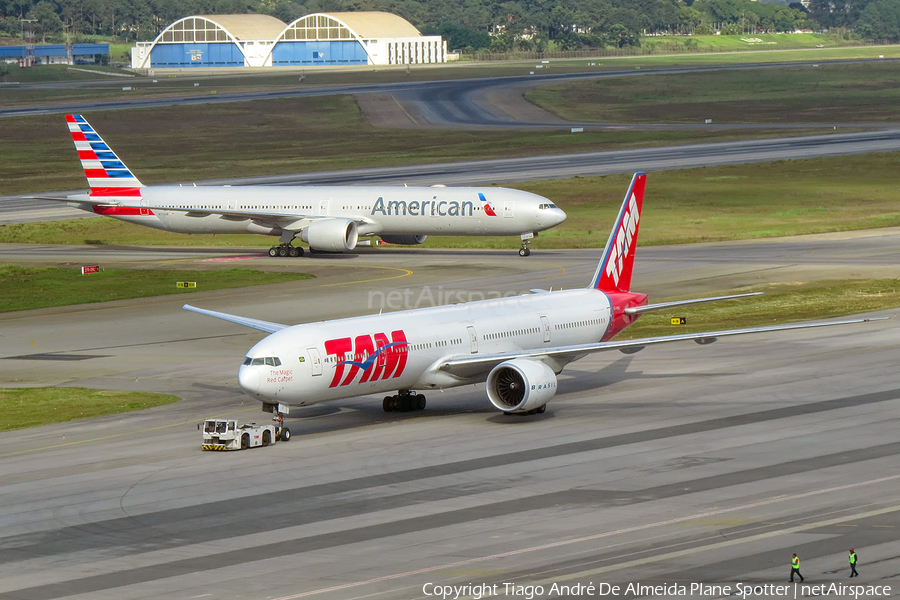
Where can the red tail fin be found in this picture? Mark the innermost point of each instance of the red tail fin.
(614, 271)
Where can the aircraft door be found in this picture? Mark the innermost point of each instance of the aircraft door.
(508, 209)
(545, 326)
(232, 204)
(144, 204)
(434, 207)
(323, 207)
(315, 361)
(473, 340)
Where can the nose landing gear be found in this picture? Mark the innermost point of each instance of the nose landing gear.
(404, 401)
(526, 239)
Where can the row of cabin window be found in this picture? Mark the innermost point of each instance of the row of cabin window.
(209, 206)
(497, 336)
(276, 207)
(578, 324)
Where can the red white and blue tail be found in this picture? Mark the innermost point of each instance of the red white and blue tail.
(614, 271)
(107, 175)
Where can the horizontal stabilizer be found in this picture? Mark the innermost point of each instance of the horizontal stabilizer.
(266, 326)
(76, 199)
(635, 310)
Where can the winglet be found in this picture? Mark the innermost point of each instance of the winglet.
(107, 175)
(614, 271)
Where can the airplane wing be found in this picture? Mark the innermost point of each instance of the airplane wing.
(266, 326)
(480, 364)
(289, 221)
(286, 221)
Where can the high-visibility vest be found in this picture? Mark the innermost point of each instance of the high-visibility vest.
(853, 558)
(795, 562)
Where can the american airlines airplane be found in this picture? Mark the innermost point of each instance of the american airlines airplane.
(328, 218)
(518, 345)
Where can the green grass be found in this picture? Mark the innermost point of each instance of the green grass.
(185, 143)
(750, 41)
(693, 205)
(781, 303)
(54, 73)
(709, 204)
(861, 93)
(31, 407)
(25, 288)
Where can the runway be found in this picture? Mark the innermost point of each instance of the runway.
(679, 464)
(16, 209)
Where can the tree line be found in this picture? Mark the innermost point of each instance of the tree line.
(493, 25)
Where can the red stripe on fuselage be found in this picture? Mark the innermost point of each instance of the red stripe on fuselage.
(129, 192)
(122, 211)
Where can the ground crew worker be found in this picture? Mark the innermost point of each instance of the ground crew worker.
(853, 572)
(795, 568)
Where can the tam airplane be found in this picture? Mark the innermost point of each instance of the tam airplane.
(517, 345)
(328, 218)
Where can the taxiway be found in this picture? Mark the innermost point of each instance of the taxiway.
(678, 464)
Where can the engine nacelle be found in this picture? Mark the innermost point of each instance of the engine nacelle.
(331, 235)
(521, 385)
(405, 240)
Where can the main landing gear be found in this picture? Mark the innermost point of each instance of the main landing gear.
(404, 401)
(285, 250)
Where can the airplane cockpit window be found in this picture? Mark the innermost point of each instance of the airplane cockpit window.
(272, 361)
(547, 206)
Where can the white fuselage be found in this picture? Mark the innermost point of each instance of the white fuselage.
(270, 210)
(308, 363)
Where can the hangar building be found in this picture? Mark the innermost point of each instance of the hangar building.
(56, 54)
(351, 38)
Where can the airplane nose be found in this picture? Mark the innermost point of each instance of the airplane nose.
(248, 378)
(558, 217)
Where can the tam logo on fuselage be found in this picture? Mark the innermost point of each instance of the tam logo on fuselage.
(374, 356)
(621, 248)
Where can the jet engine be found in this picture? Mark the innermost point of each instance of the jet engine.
(405, 240)
(331, 235)
(521, 385)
